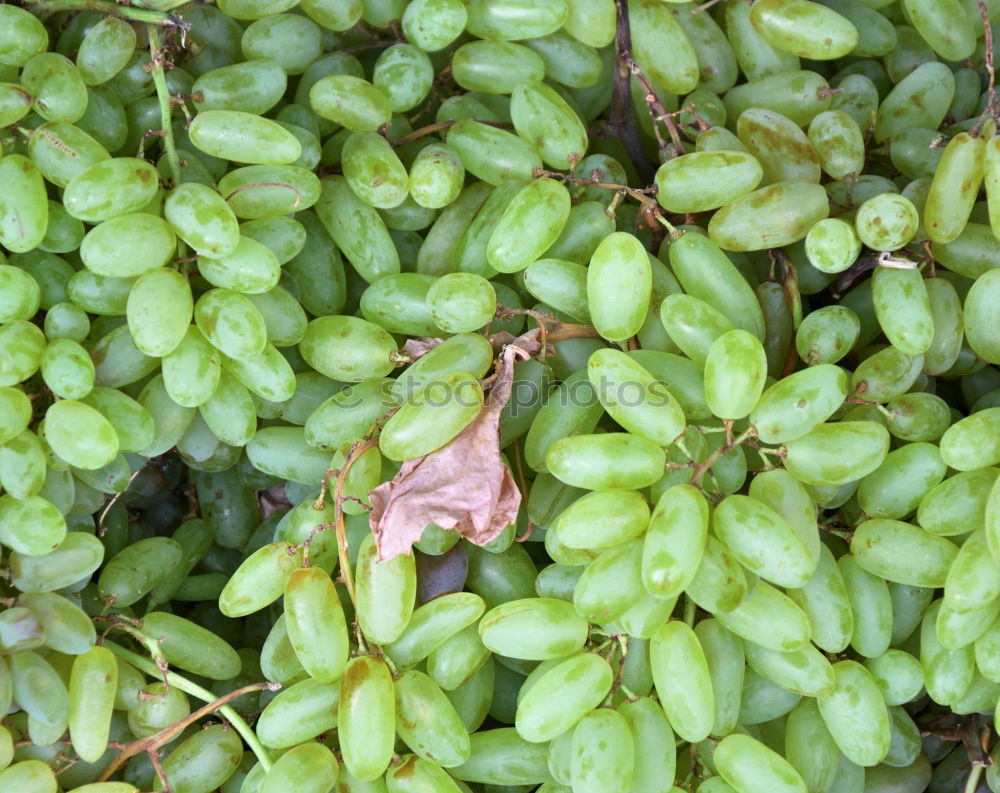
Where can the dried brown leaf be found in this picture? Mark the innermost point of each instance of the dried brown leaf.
(464, 485)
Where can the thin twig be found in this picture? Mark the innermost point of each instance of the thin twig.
(991, 111)
(185, 685)
(153, 742)
(658, 113)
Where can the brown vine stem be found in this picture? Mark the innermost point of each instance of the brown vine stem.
(440, 126)
(659, 114)
(992, 111)
(620, 122)
(701, 468)
(153, 743)
(182, 683)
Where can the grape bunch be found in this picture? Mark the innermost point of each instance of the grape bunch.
(495, 396)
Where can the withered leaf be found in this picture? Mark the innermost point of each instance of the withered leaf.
(464, 485)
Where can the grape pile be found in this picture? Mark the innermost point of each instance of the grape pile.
(494, 396)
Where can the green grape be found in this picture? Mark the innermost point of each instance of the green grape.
(432, 624)
(707, 274)
(603, 752)
(886, 222)
(31, 525)
(461, 302)
(954, 188)
(110, 187)
(373, 171)
(357, 229)
(533, 628)
(21, 295)
(80, 435)
(243, 137)
(929, 556)
(888, 373)
(682, 680)
(933, 83)
(619, 284)
(799, 403)
(267, 191)
(735, 371)
(751, 767)
(230, 323)
(492, 155)
(428, 722)
(495, 66)
(15, 413)
(300, 712)
(309, 767)
(128, 245)
(159, 311)
(777, 142)
(730, 174)
(365, 717)
(769, 618)
(31, 776)
(963, 593)
(316, 625)
(66, 321)
(404, 74)
(92, 685)
(384, 617)
(775, 215)
(24, 36)
(293, 41)
(398, 303)
(821, 456)
(918, 417)
(251, 268)
(653, 769)
(540, 114)
(634, 398)
(809, 31)
(610, 585)
(436, 176)
(432, 25)
(568, 61)
(805, 671)
(827, 335)
(946, 315)
(23, 205)
(58, 90)
(598, 462)
(972, 442)
(980, 315)
(350, 101)
(656, 32)
(943, 26)
(948, 673)
(415, 773)
(603, 519)
(899, 484)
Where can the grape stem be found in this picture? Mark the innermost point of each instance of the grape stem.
(112, 9)
(620, 124)
(659, 114)
(185, 685)
(440, 126)
(157, 55)
(152, 743)
(991, 110)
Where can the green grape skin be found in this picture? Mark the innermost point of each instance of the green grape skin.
(436, 176)
(365, 717)
(540, 114)
(309, 767)
(112, 248)
(110, 187)
(243, 137)
(432, 25)
(822, 388)
(293, 41)
(751, 222)
(603, 752)
(535, 628)
(810, 459)
(58, 89)
(23, 206)
(838, 142)
(231, 323)
(735, 372)
(687, 698)
(972, 442)
(373, 171)
(619, 285)
(930, 556)
(357, 229)
(656, 32)
(200, 217)
(856, 715)
(827, 334)
(769, 618)
(298, 713)
(943, 27)
(461, 302)
(383, 617)
(21, 295)
(433, 623)
(933, 84)
(980, 315)
(495, 66)
(350, 101)
(492, 155)
(748, 765)
(899, 484)
(428, 722)
(731, 173)
(887, 222)
(67, 369)
(795, 26)
(781, 147)
(598, 462)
